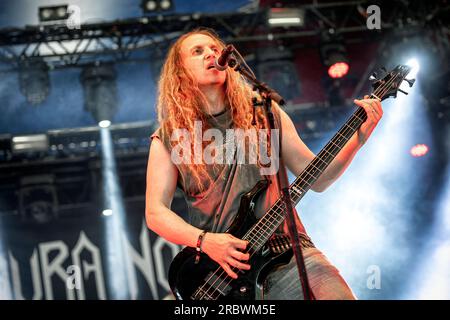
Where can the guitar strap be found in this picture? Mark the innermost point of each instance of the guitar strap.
(301, 266)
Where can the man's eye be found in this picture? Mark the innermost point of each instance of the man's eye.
(197, 51)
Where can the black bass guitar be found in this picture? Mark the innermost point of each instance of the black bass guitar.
(207, 280)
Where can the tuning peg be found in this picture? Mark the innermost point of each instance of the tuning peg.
(373, 76)
(404, 92)
(410, 82)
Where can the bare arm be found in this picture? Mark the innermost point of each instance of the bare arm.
(297, 155)
(162, 177)
(161, 185)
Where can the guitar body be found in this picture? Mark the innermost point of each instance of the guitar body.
(186, 277)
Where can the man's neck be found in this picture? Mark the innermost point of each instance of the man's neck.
(216, 99)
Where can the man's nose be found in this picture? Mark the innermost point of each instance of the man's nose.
(209, 52)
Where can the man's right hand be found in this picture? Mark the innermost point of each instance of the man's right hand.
(226, 249)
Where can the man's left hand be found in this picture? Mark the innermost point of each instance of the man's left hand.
(374, 113)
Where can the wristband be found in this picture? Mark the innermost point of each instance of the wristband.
(199, 246)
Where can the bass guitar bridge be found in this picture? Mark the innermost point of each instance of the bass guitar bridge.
(280, 243)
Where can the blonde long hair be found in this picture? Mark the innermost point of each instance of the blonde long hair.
(181, 102)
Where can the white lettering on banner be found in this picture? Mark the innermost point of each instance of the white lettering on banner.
(5, 289)
(159, 260)
(95, 267)
(55, 267)
(149, 261)
(35, 277)
(143, 262)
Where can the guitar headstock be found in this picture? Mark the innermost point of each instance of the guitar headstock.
(389, 85)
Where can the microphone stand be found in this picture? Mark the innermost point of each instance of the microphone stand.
(268, 94)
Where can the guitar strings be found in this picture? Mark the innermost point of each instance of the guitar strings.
(360, 112)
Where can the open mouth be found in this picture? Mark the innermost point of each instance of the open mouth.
(210, 67)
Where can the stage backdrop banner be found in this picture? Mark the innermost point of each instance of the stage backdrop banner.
(83, 257)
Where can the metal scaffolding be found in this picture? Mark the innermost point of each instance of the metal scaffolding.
(118, 40)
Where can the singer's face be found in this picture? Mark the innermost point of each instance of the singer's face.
(198, 53)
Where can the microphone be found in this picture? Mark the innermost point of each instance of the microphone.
(221, 63)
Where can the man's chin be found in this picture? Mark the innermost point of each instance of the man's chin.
(212, 83)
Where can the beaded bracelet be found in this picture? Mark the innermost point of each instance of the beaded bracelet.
(199, 246)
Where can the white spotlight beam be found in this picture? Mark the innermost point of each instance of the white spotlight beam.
(114, 220)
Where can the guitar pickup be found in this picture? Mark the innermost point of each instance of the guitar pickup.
(279, 243)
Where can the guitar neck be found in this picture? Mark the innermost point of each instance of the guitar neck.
(266, 226)
(323, 159)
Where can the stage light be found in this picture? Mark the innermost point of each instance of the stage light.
(45, 14)
(414, 64)
(107, 212)
(34, 80)
(419, 150)
(150, 6)
(334, 54)
(61, 12)
(415, 67)
(53, 13)
(338, 70)
(100, 92)
(29, 143)
(104, 123)
(166, 4)
(286, 17)
(285, 21)
(38, 201)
